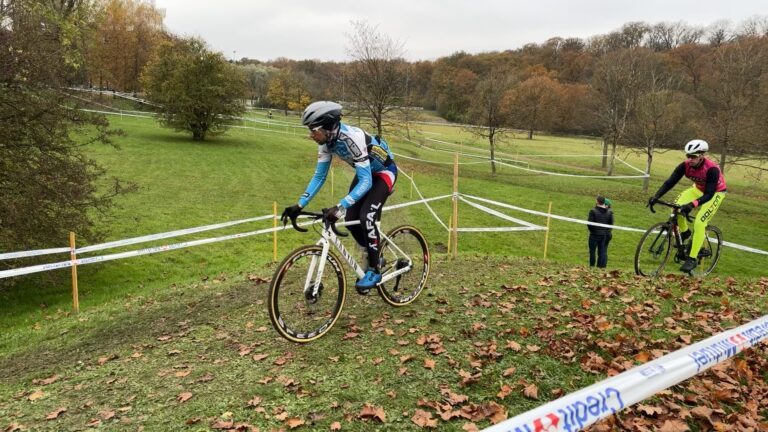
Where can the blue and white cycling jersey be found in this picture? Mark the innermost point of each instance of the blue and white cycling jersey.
(366, 154)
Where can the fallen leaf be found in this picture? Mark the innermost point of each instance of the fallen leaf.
(674, 426)
(531, 391)
(37, 394)
(294, 422)
(424, 419)
(509, 371)
(53, 415)
(46, 381)
(105, 359)
(106, 415)
(335, 426)
(514, 346)
(504, 392)
(371, 412)
(183, 397)
(223, 424)
(650, 409)
(429, 364)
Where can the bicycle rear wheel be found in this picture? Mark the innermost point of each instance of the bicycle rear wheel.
(407, 245)
(653, 250)
(297, 312)
(709, 254)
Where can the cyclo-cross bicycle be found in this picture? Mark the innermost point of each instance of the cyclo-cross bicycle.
(656, 245)
(309, 287)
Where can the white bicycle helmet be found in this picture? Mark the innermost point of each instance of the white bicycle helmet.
(696, 146)
(321, 113)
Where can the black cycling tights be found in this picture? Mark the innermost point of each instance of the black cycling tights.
(368, 211)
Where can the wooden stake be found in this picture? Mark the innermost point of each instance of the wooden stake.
(73, 257)
(455, 204)
(274, 233)
(413, 176)
(450, 234)
(546, 235)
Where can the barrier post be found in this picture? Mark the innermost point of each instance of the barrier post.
(73, 257)
(450, 233)
(546, 233)
(274, 233)
(455, 204)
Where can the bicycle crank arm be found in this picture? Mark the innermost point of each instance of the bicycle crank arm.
(396, 273)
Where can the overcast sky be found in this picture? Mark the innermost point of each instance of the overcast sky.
(301, 29)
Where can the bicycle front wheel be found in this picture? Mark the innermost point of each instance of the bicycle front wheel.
(709, 254)
(300, 308)
(653, 250)
(404, 246)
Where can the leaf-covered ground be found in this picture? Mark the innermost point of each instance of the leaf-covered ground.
(489, 339)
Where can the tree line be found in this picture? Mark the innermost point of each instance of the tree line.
(645, 86)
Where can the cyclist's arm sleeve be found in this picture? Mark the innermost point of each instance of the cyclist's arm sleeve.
(677, 174)
(321, 173)
(713, 175)
(364, 183)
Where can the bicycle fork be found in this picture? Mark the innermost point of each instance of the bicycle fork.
(313, 281)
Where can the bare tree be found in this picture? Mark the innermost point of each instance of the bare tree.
(618, 82)
(488, 111)
(376, 77)
(666, 36)
(719, 33)
(663, 118)
(732, 92)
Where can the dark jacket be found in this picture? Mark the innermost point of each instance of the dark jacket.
(600, 215)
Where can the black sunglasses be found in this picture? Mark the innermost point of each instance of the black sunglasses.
(693, 156)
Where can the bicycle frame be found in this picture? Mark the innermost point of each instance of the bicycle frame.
(328, 238)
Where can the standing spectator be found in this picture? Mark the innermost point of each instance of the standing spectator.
(608, 205)
(598, 235)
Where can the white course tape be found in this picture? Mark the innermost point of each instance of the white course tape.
(169, 234)
(502, 215)
(500, 229)
(435, 162)
(500, 162)
(139, 252)
(410, 203)
(24, 254)
(509, 157)
(553, 216)
(418, 192)
(586, 406)
(583, 222)
(115, 113)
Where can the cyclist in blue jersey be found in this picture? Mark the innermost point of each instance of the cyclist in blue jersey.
(375, 176)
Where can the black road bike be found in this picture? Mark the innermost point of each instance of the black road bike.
(660, 240)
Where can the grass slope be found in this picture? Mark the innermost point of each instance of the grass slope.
(490, 338)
